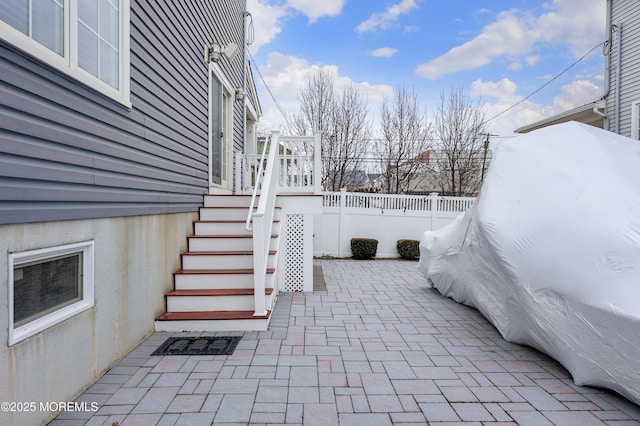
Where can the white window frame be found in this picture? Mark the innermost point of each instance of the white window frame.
(86, 249)
(68, 64)
(227, 122)
(635, 119)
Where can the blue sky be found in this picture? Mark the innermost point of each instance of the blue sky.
(498, 51)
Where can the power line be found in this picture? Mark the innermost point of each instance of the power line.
(548, 82)
(273, 98)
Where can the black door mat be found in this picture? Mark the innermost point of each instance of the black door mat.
(203, 345)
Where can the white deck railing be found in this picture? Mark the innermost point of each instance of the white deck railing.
(299, 166)
(423, 203)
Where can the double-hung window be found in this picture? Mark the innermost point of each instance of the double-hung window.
(86, 39)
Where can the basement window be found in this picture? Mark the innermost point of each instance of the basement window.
(48, 286)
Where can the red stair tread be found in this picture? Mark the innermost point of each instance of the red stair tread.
(210, 315)
(227, 236)
(227, 221)
(221, 253)
(218, 292)
(235, 207)
(219, 271)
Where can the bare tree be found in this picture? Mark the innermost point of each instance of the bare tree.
(405, 136)
(459, 130)
(317, 100)
(342, 121)
(350, 130)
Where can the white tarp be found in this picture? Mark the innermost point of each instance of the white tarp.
(550, 251)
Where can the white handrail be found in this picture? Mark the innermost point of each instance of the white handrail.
(262, 219)
(256, 188)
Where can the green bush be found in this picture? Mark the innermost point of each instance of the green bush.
(364, 248)
(409, 249)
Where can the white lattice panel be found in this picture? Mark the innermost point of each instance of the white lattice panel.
(294, 258)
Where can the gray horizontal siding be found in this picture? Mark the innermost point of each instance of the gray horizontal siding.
(67, 152)
(627, 13)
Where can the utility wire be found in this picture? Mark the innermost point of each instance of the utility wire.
(273, 98)
(548, 82)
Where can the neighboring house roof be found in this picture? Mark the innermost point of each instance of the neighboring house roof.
(587, 114)
(354, 177)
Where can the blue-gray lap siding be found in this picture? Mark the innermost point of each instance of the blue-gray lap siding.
(67, 152)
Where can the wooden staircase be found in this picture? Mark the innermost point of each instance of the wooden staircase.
(214, 289)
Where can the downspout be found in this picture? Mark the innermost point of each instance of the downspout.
(600, 107)
(244, 80)
(244, 97)
(618, 75)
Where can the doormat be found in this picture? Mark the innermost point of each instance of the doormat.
(203, 345)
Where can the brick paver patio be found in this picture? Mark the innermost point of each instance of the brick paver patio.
(376, 348)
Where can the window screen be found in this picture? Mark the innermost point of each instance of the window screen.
(43, 287)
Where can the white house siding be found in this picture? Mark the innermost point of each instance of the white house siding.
(626, 13)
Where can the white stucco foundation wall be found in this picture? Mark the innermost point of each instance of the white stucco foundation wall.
(135, 258)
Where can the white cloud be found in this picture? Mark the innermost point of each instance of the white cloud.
(384, 52)
(383, 20)
(504, 90)
(285, 76)
(267, 22)
(314, 9)
(268, 19)
(508, 35)
(577, 93)
(500, 95)
(578, 25)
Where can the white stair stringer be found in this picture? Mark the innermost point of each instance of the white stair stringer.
(214, 289)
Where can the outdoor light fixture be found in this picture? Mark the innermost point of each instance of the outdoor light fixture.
(239, 94)
(214, 51)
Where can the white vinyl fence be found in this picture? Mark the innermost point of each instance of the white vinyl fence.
(385, 217)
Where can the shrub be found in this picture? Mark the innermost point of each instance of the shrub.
(409, 249)
(364, 248)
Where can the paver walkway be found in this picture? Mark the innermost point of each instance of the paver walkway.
(376, 348)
